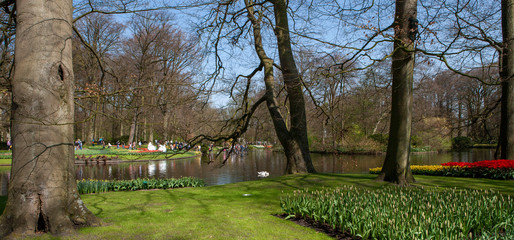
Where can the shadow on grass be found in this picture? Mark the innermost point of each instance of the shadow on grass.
(296, 182)
(502, 186)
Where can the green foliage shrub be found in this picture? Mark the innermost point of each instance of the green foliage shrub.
(459, 143)
(380, 138)
(123, 139)
(407, 213)
(432, 132)
(421, 149)
(204, 148)
(416, 141)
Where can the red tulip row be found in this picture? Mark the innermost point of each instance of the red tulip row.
(145, 150)
(484, 164)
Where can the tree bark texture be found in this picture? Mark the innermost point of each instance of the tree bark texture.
(292, 83)
(507, 81)
(133, 125)
(292, 148)
(396, 166)
(42, 193)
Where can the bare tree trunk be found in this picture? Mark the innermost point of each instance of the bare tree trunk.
(150, 137)
(165, 123)
(324, 133)
(292, 148)
(459, 121)
(133, 127)
(43, 191)
(83, 135)
(396, 167)
(92, 124)
(145, 133)
(507, 76)
(91, 131)
(292, 83)
(382, 117)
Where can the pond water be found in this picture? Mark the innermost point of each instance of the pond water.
(245, 167)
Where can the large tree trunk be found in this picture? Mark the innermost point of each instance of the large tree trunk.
(292, 83)
(296, 162)
(165, 122)
(43, 191)
(133, 127)
(91, 128)
(507, 77)
(396, 166)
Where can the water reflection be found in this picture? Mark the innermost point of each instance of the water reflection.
(245, 167)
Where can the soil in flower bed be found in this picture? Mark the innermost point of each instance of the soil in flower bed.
(320, 227)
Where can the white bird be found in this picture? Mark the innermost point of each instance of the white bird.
(162, 148)
(151, 147)
(262, 174)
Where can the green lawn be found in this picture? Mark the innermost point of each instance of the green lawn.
(131, 155)
(6, 161)
(222, 212)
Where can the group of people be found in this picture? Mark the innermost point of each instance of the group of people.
(171, 145)
(176, 145)
(78, 144)
(131, 146)
(100, 141)
(236, 148)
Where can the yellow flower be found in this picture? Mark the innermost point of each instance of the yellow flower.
(417, 169)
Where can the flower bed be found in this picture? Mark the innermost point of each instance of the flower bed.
(484, 164)
(145, 150)
(98, 186)
(406, 213)
(493, 169)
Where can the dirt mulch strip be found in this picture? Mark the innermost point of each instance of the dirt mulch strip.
(320, 227)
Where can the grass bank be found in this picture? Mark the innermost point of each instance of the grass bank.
(224, 212)
(122, 154)
(145, 157)
(133, 155)
(6, 161)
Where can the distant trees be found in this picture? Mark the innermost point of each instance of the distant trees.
(465, 104)
(96, 40)
(140, 87)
